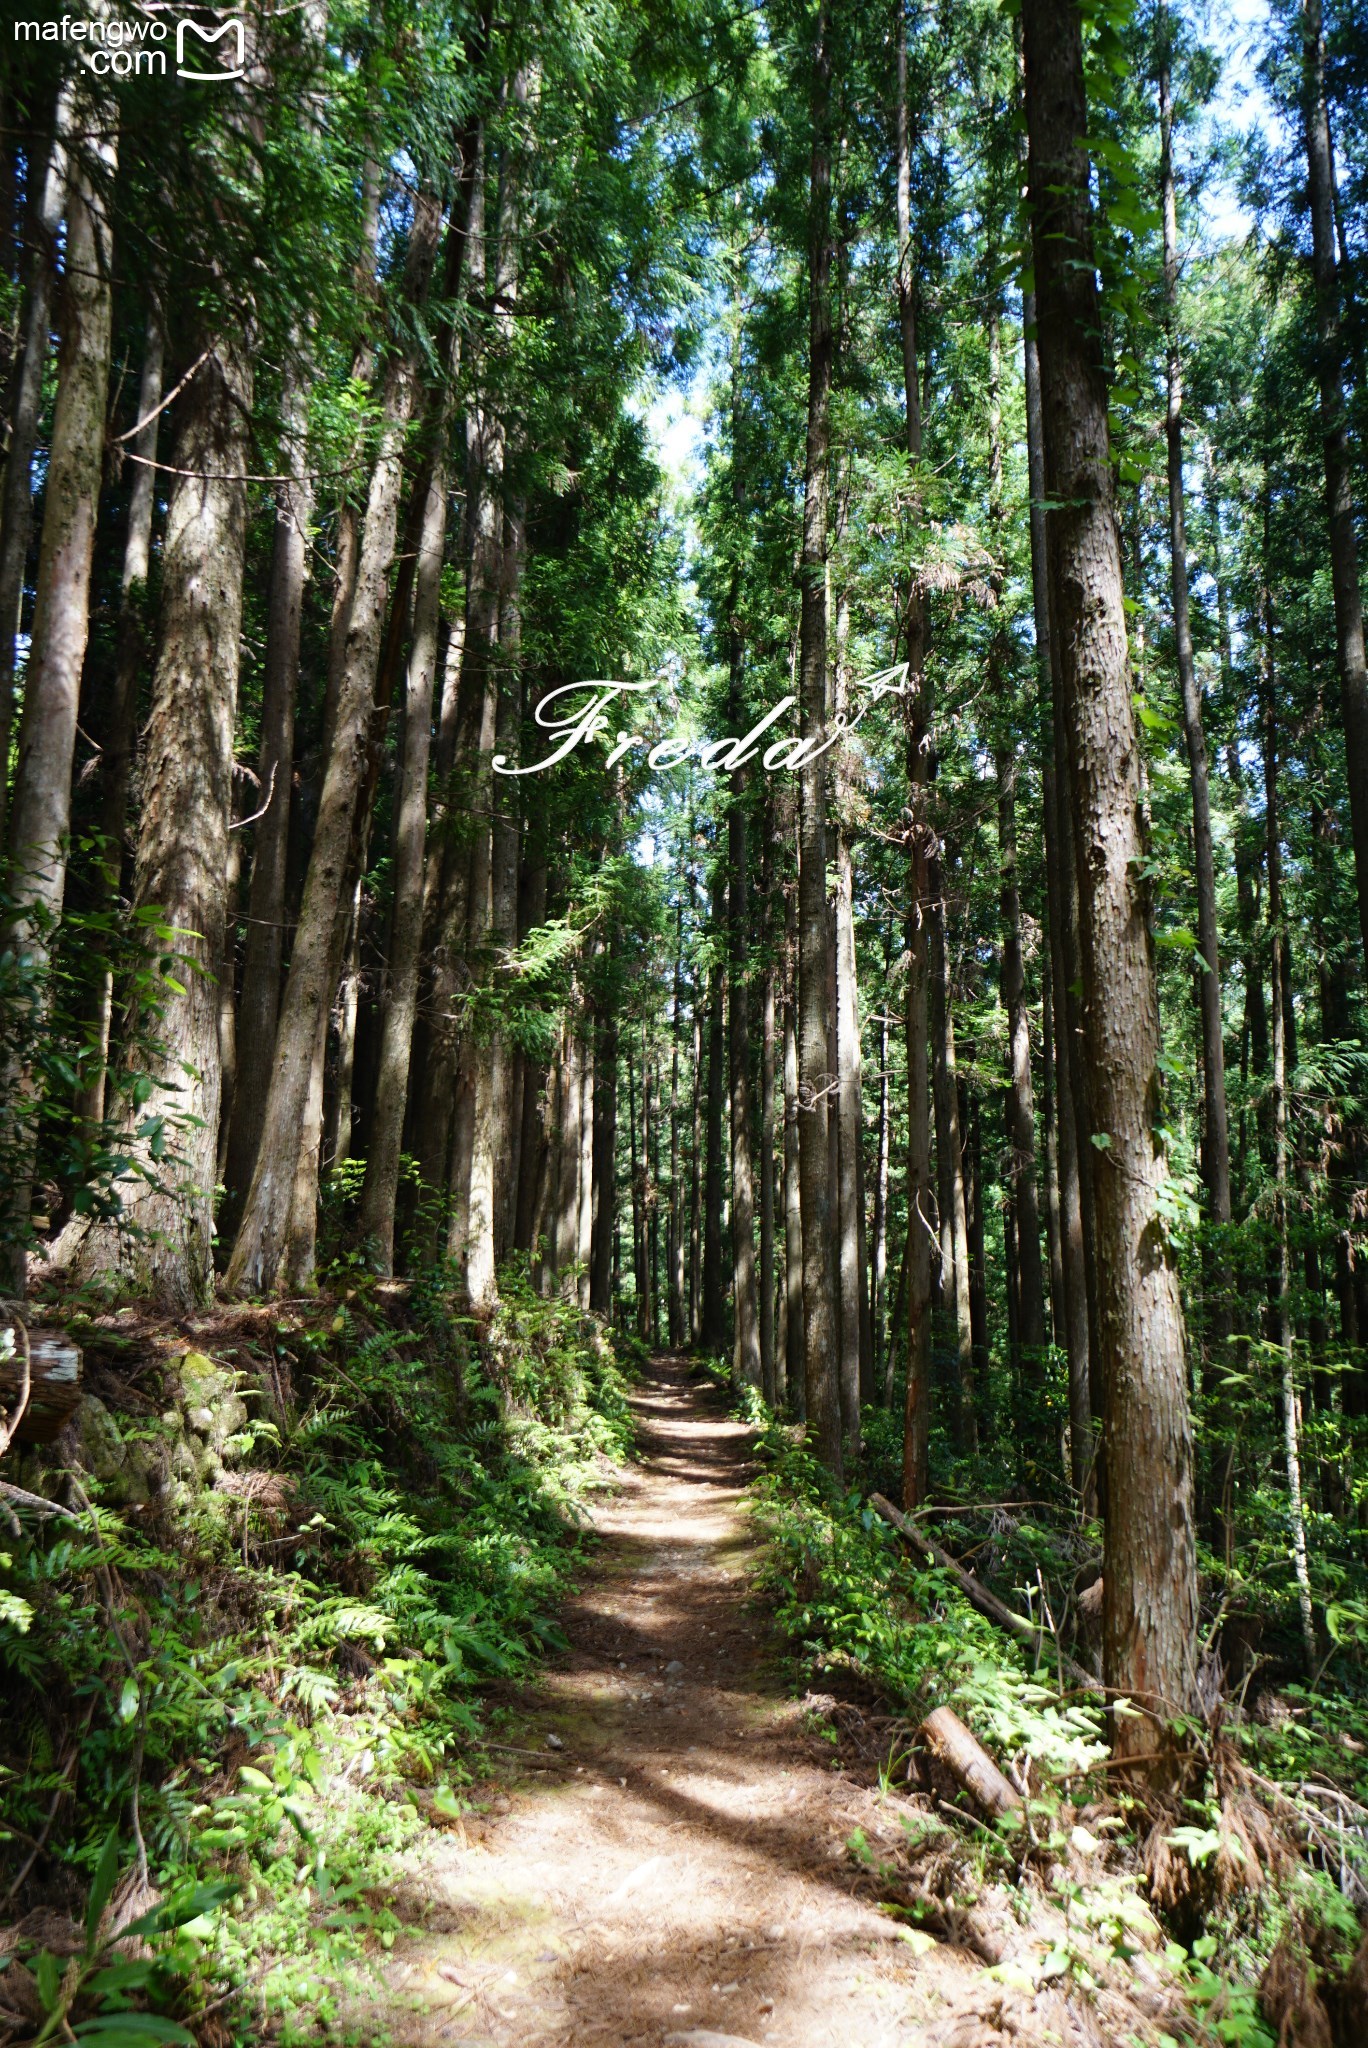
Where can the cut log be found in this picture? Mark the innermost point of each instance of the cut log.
(968, 1763)
(978, 1594)
(55, 1383)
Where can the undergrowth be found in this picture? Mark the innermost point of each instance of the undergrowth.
(261, 1691)
(1261, 1871)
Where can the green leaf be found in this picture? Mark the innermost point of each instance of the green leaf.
(48, 1974)
(175, 1912)
(134, 2030)
(102, 1886)
(128, 1699)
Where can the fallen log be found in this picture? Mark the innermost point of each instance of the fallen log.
(968, 1763)
(54, 1388)
(977, 1593)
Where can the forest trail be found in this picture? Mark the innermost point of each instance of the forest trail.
(676, 1872)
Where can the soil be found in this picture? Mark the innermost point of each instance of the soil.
(668, 1863)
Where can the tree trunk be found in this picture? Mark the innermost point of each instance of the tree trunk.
(1215, 1150)
(768, 1375)
(1150, 1609)
(921, 841)
(677, 1307)
(16, 506)
(182, 854)
(1339, 500)
(714, 1331)
(1061, 894)
(264, 950)
(950, 1156)
(1020, 1095)
(745, 1294)
(274, 1251)
(1281, 1310)
(819, 1306)
(380, 1189)
(605, 1167)
(119, 735)
(794, 1369)
(41, 814)
(879, 1253)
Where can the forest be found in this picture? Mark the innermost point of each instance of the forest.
(683, 735)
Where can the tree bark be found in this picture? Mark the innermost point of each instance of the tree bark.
(274, 1251)
(745, 1294)
(950, 1157)
(1062, 906)
(677, 1314)
(1150, 1608)
(1215, 1149)
(119, 736)
(819, 1306)
(16, 505)
(714, 1327)
(182, 854)
(768, 1375)
(920, 844)
(794, 1369)
(1280, 1309)
(1020, 1094)
(41, 812)
(1339, 500)
(264, 950)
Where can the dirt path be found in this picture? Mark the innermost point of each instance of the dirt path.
(678, 1873)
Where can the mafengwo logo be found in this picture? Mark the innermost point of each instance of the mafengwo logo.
(209, 46)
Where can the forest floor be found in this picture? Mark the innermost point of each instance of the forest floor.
(664, 1858)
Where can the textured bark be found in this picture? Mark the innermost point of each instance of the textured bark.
(480, 683)
(849, 1120)
(41, 811)
(714, 1309)
(1150, 1607)
(745, 1293)
(26, 403)
(677, 1315)
(274, 1251)
(1215, 1150)
(950, 1159)
(182, 852)
(1061, 882)
(878, 1278)
(605, 1167)
(769, 1378)
(1339, 500)
(119, 735)
(584, 1213)
(1020, 1095)
(794, 1371)
(505, 859)
(916, 1262)
(1280, 1308)
(380, 1189)
(264, 949)
(819, 1304)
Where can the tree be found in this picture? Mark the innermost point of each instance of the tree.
(1150, 1610)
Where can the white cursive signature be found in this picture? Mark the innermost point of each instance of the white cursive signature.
(570, 728)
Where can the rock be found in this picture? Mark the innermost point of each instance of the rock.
(673, 1667)
(213, 1407)
(554, 1742)
(703, 2037)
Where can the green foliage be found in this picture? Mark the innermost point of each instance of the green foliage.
(324, 1621)
(847, 1594)
(51, 1050)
